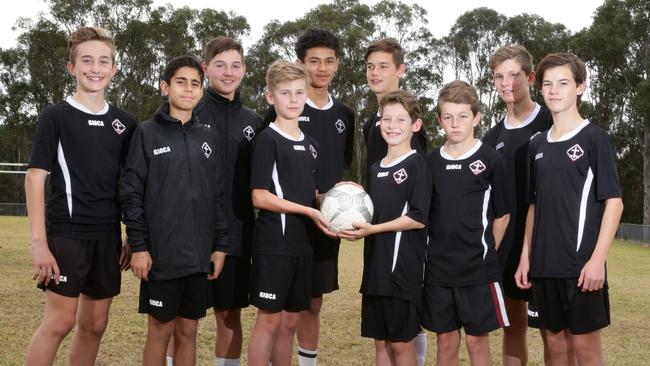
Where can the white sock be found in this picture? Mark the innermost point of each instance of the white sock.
(421, 347)
(307, 357)
(170, 361)
(226, 361)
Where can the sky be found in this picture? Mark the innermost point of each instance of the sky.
(441, 14)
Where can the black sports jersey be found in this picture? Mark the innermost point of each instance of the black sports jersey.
(285, 167)
(84, 153)
(572, 177)
(171, 194)
(468, 193)
(393, 262)
(333, 129)
(512, 143)
(236, 125)
(376, 147)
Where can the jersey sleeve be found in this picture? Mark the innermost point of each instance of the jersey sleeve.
(222, 239)
(46, 141)
(262, 162)
(500, 188)
(603, 163)
(131, 195)
(367, 125)
(420, 199)
(490, 137)
(419, 141)
(532, 191)
(130, 129)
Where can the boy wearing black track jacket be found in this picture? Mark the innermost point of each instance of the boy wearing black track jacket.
(171, 196)
(235, 125)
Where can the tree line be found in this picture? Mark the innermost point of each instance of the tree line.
(616, 47)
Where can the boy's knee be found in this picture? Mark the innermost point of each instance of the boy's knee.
(61, 327)
(477, 343)
(95, 326)
(315, 306)
(447, 343)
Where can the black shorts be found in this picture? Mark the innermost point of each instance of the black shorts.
(325, 277)
(184, 297)
(389, 319)
(510, 288)
(558, 303)
(479, 309)
(281, 283)
(230, 289)
(89, 267)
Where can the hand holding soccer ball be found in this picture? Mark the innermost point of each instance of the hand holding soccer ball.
(344, 204)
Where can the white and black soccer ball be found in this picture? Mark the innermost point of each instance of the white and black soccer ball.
(344, 204)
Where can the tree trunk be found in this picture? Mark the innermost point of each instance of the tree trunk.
(646, 174)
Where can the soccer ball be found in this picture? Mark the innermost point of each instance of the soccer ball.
(344, 204)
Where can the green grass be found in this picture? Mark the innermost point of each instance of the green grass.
(626, 341)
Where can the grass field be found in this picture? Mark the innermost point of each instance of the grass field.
(627, 340)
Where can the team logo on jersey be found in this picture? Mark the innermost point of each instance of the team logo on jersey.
(207, 151)
(400, 176)
(313, 151)
(303, 119)
(477, 167)
(340, 126)
(162, 150)
(249, 133)
(299, 147)
(95, 123)
(454, 166)
(539, 156)
(499, 146)
(575, 152)
(156, 303)
(382, 174)
(118, 126)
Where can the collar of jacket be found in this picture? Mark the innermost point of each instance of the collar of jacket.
(162, 115)
(221, 99)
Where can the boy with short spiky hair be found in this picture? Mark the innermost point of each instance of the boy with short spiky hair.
(283, 184)
(393, 260)
(575, 208)
(236, 125)
(384, 69)
(331, 124)
(175, 222)
(512, 72)
(469, 215)
(82, 142)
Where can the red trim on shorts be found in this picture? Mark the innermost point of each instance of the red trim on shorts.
(497, 305)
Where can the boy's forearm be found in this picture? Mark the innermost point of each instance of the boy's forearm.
(499, 226)
(402, 223)
(35, 199)
(608, 226)
(528, 232)
(266, 200)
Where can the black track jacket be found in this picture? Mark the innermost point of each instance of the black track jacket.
(171, 196)
(236, 125)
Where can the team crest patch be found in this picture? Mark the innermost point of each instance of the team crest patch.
(400, 176)
(575, 152)
(207, 151)
(118, 126)
(340, 126)
(249, 133)
(313, 151)
(477, 167)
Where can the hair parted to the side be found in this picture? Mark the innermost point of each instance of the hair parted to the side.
(219, 45)
(405, 99)
(388, 45)
(458, 92)
(85, 34)
(281, 71)
(180, 62)
(576, 65)
(313, 38)
(517, 52)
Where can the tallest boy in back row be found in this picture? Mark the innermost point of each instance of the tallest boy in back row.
(82, 142)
